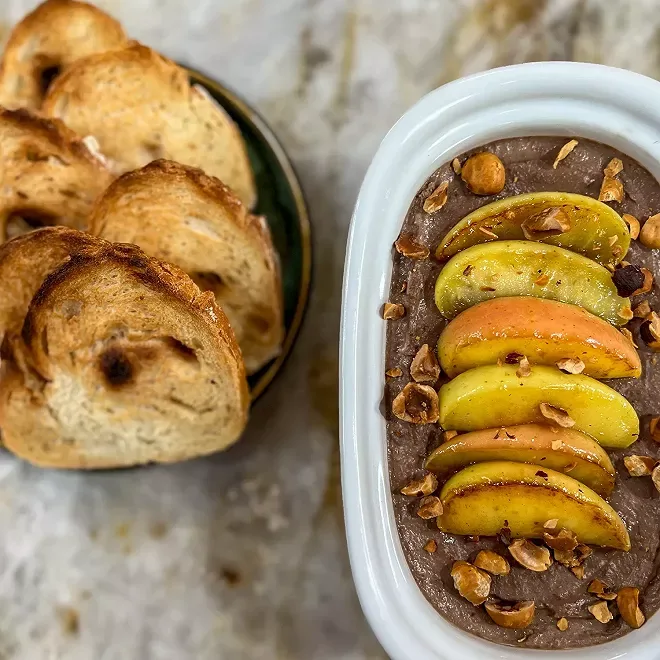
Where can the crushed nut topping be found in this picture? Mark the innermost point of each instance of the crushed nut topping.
(649, 235)
(633, 225)
(639, 466)
(531, 556)
(549, 222)
(557, 415)
(449, 435)
(524, 369)
(488, 232)
(484, 174)
(642, 310)
(628, 279)
(429, 507)
(553, 522)
(611, 190)
(563, 540)
(647, 285)
(437, 199)
(564, 151)
(571, 365)
(573, 558)
(417, 404)
(650, 331)
(408, 248)
(655, 477)
(456, 166)
(394, 373)
(557, 444)
(490, 561)
(425, 367)
(578, 571)
(562, 624)
(511, 615)
(654, 429)
(600, 589)
(472, 583)
(627, 600)
(431, 545)
(629, 336)
(425, 486)
(625, 313)
(601, 611)
(393, 311)
(614, 167)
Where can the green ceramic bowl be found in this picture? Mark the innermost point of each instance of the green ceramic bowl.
(281, 201)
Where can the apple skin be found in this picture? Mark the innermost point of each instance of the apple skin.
(526, 268)
(592, 226)
(562, 450)
(483, 498)
(545, 331)
(493, 396)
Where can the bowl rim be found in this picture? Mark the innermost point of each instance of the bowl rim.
(259, 125)
(611, 105)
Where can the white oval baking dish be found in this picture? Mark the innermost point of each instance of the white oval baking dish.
(613, 106)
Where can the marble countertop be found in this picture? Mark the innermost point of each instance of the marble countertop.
(243, 555)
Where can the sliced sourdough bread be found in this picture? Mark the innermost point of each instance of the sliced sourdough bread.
(140, 107)
(127, 363)
(46, 42)
(49, 176)
(181, 215)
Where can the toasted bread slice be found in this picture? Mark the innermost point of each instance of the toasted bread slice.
(49, 176)
(179, 214)
(46, 42)
(140, 107)
(130, 364)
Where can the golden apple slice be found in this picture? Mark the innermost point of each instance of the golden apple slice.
(483, 498)
(596, 230)
(562, 450)
(494, 396)
(525, 268)
(545, 331)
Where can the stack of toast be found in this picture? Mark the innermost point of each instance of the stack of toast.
(137, 288)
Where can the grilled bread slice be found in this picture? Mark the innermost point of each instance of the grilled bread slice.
(49, 176)
(179, 214)
(46, 42)
(140, 107)
(129, 364)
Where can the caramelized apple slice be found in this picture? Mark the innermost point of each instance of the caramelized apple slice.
(594, 229)
(545, 331)
(525, 268)
(562, 450)
(494, 396)
(484, 498)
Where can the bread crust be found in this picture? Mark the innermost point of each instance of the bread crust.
(48, 40)
(182, 215)
(140, 107)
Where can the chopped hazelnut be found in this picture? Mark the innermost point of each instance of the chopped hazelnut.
(524, 369)
(614, 167)
(647, 284)
(564, 151)
(654, 429)
(562, 540)
(431, 545)
(515, 615)
(549, 222)
(425, 367)
(393, 311)
(611, 190)
(531, 556)
(484, 174)
(437, 199)
(573, 558)
(429, 507)
(557, 415)
(629, 336)
(417, 404)
(449, 435)
(542, 280)
(600, 589)
(650, 331)
(557, 444)
(649, 235)
(633, 225)
(456, 166)
(642, 310)
(601, 611)
(625, 313)
(627, 600)
(628, 279)
(571, 365)
(408, 248)
(473, 584)
(639, 466)
(425, 486)
(578, 571)
(552, 523)
(490, 561)
(394, 373)
(562, 624)
(655, 477)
